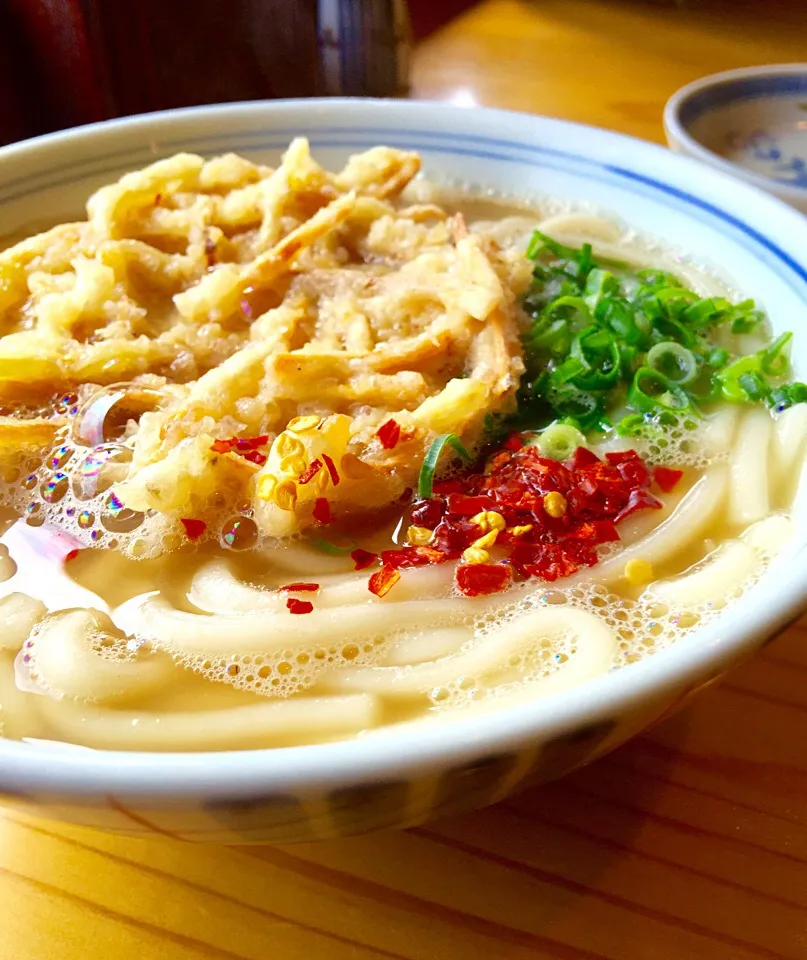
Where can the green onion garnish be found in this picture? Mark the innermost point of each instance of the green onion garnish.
(325, 546)
(427, 470)
(607, 337)
(673, 361)
(559, 441)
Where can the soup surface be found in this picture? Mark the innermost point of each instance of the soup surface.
(288, 456)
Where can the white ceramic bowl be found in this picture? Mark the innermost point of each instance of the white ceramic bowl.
(398, 779)
(750, 122)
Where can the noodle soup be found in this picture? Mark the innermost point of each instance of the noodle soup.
(290, 456)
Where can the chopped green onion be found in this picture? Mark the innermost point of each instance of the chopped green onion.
(673, 361)
(427, 470)
(753, 386)
(559, 441)
(781, 398)
(325, 546)
(582, 405)
(775, 359)
(600, 284)
(729, 378)
(598, 352)
(651, 392)
(605, 336)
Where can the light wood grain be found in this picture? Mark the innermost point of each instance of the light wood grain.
(690, 842)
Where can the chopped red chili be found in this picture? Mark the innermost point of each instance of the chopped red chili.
(389, 434)
(480, 579)
(331, 469)
(299, 606)
(310, 472)
(598, 494)
(242, 445)
(70, 556)
(383, 580)
(460, 505)
(250, 443)
(300, 587)
(322, 511)
(363, 558)
(255, 456)
(193, 528)
(514, 442)
(667, 479)
(412, 557)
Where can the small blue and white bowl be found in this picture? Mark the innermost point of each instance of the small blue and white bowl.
(750, 122)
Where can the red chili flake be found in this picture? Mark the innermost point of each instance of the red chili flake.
(411, 557)
(241, 444)
(70, 556)
(222, 446)
(460, 505)
(667, 479)
(428, 513)
(322, 511)
(513, 442)
(480, 579)
(331, 469)
(255, 456)
(363, 558)
(299, 606)
(582, 457)
(636, 501)
(300, 587)
(250, 443)
(442, 488)
(383, 580)
(310, 472)
(193, 528)
(389, 434)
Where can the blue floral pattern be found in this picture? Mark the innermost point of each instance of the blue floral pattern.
(766, 149)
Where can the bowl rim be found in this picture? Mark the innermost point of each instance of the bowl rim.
(676, 130)
(86, 775)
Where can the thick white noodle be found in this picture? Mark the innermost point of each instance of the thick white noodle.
(586, 226)
(267, 724)
(789, 436)
(198, 635)
(216, 589)
(427, 645)
(595, 659)
(295, 557)
(716, 433)
(17, 719)
(595, 646)
(18, 615)
(710, 581)
(749, 497)
(68, 666)
(769, 536)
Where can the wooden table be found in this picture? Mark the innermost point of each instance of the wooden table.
(690, 842)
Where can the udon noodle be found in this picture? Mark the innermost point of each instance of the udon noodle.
(219, 393)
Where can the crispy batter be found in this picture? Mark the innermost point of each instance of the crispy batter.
(264, 296)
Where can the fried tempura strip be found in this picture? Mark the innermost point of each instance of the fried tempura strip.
(381, 172)
(225, 286)
(15, 433)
